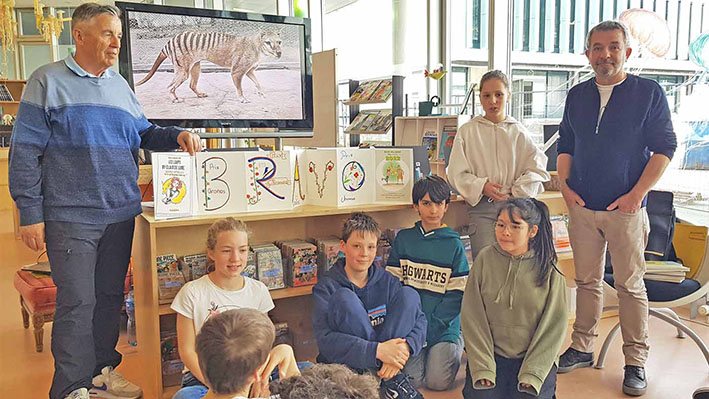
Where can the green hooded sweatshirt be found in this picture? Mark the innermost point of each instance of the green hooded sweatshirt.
(505, 312)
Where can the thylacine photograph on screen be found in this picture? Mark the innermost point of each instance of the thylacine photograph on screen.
(241, 54)
(215, 54)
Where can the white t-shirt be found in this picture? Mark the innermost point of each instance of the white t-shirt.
(201, 298)
(605, 92)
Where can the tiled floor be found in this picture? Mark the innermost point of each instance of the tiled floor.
(675, 368)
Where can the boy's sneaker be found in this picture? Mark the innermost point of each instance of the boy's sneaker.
(81, 393)
(573, 359)
(400, 387)
(634, 383)
(111, 385)
(701, 393)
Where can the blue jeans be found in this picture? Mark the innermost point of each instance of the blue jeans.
(435, 367)
(89, 264)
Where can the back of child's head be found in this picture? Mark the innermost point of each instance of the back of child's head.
(332, 381)
(360, 223)
(232, 346)
(436, 187)
(495, 74)
(534, 213)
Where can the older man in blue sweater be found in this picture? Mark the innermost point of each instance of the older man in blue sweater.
(73, 175)
(616, 139)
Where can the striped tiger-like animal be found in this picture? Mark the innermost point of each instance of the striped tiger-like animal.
(241, 54)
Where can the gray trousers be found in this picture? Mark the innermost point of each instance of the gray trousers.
(89, 264)
(481, 227)
(436, 367)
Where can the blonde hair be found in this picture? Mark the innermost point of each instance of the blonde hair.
(220, 226)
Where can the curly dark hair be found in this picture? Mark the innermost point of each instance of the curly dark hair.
(327, 381)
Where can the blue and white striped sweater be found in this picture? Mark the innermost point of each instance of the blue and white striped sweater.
(73, 154)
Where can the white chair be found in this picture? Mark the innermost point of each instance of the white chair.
(663, 311)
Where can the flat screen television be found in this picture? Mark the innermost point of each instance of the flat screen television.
(194, 67)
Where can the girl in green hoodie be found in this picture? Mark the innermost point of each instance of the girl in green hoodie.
(514, 313)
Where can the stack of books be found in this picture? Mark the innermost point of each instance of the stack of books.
(667, 271)
(561, 233)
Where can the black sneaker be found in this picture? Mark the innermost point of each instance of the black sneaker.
(701, 393)
(573, 359)
(399, 387)
(634, 383)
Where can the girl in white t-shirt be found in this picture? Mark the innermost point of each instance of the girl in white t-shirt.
(493, 159)
(222, 289)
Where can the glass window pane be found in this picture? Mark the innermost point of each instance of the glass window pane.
(28, 23)
(65, 38)
(180, 3)
(7, 66)
(33, 57)
(64, 50)
(257, 6)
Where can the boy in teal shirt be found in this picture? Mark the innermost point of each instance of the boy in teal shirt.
(430, 258)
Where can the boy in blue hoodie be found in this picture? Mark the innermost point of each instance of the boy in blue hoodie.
(363, 317)
(430, 258)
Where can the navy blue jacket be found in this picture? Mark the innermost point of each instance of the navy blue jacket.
(353, 351)
(609, 156)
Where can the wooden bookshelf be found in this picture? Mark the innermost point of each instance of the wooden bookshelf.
(15, 87)
(293, 305)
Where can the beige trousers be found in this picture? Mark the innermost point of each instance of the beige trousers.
(625, 236)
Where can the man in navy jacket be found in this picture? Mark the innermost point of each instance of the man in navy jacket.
(616, 139)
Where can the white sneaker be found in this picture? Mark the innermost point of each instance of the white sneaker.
(81, 393)
(111, 385)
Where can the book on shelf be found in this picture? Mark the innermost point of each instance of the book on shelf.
(194, 266)
(301, 262)
(383, 91)
(430, 142)
(269, 265)
(364, 91)
(467, 245)
(560, 233)
(447, 137)
(328, 253)
(170, 277)
(381, 122)
(250, 270)
(356, 122)
(371, 121)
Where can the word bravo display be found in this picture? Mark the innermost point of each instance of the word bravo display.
(260, 181)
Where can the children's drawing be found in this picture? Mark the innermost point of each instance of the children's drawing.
(312, 168)
(216, 191)
(352, 176)
(174, 190)
(296, 179)
(258, 178)
(393, 173)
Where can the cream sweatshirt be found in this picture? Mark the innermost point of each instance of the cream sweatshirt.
(501, 153)
(505, 312)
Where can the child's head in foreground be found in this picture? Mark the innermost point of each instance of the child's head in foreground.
(332, 381)
(431, 196)
(360, 234)
(231, 347)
